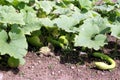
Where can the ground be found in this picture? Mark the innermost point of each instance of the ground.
(51, 68)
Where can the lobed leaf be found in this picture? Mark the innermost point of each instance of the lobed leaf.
(11, 1)
(85, 4)
(47, 6)
(91, 33)
(32, 23)
(13, 43)
(9, 15)
(115, 30)
(46, 22)
(66, 23)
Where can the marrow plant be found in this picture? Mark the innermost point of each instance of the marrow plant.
(63, 23)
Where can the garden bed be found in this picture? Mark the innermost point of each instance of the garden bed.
(51, 68)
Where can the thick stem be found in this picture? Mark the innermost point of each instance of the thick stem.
(115, 48)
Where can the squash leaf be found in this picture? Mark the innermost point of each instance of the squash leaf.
(46, 6)
(66, 23)
(13, 43)
(8, 14)
(32, 23)
(115, 30)
(91, 33)
(87, 4)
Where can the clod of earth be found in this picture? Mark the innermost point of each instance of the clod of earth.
(46, 51)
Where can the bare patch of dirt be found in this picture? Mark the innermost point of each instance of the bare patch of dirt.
(49, 68)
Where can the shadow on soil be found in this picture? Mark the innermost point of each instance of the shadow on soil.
(113, 50)
(4, 66)
(113, 47)
(74, 57)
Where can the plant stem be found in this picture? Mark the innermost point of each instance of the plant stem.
(115, 48)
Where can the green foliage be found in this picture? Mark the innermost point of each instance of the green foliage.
(7, 14)
(84, 23)
(13, 43)
(87, 4)
(46, 6)
(67, 25)
(11, 1)
(31, 20)
(115, 30)
(92, 33)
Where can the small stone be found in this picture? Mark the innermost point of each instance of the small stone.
(39, 61)
(72, 67)
(79, 70)
(53, 73)
(58, 57)
(59, 72)
(103, 73)
(1, 76)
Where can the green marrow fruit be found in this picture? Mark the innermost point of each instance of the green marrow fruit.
(36, 33)
(102, 65)
(13, 63)
(34, 41)
(55, 42)
(63, 40)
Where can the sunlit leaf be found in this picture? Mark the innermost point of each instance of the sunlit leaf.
(115, 30)
(85, 4)
(66, 23)
(14, 43)
(32, 23)
(47, 6)
(9, 15)
(46, 22)
(92, 33)
(10, 1)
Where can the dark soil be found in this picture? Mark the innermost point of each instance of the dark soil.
(52, 68)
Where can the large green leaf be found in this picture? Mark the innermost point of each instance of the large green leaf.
(14, 43)
(66, 23)
(32, 23)
(10, 1)
(47, 6)
(85, 4)
(46, 22)
(80, 16)
(92, 33)
(104, 7)
(119, 1)
(68, 10)
(63, 11)
(9, 15)
(115, 30)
